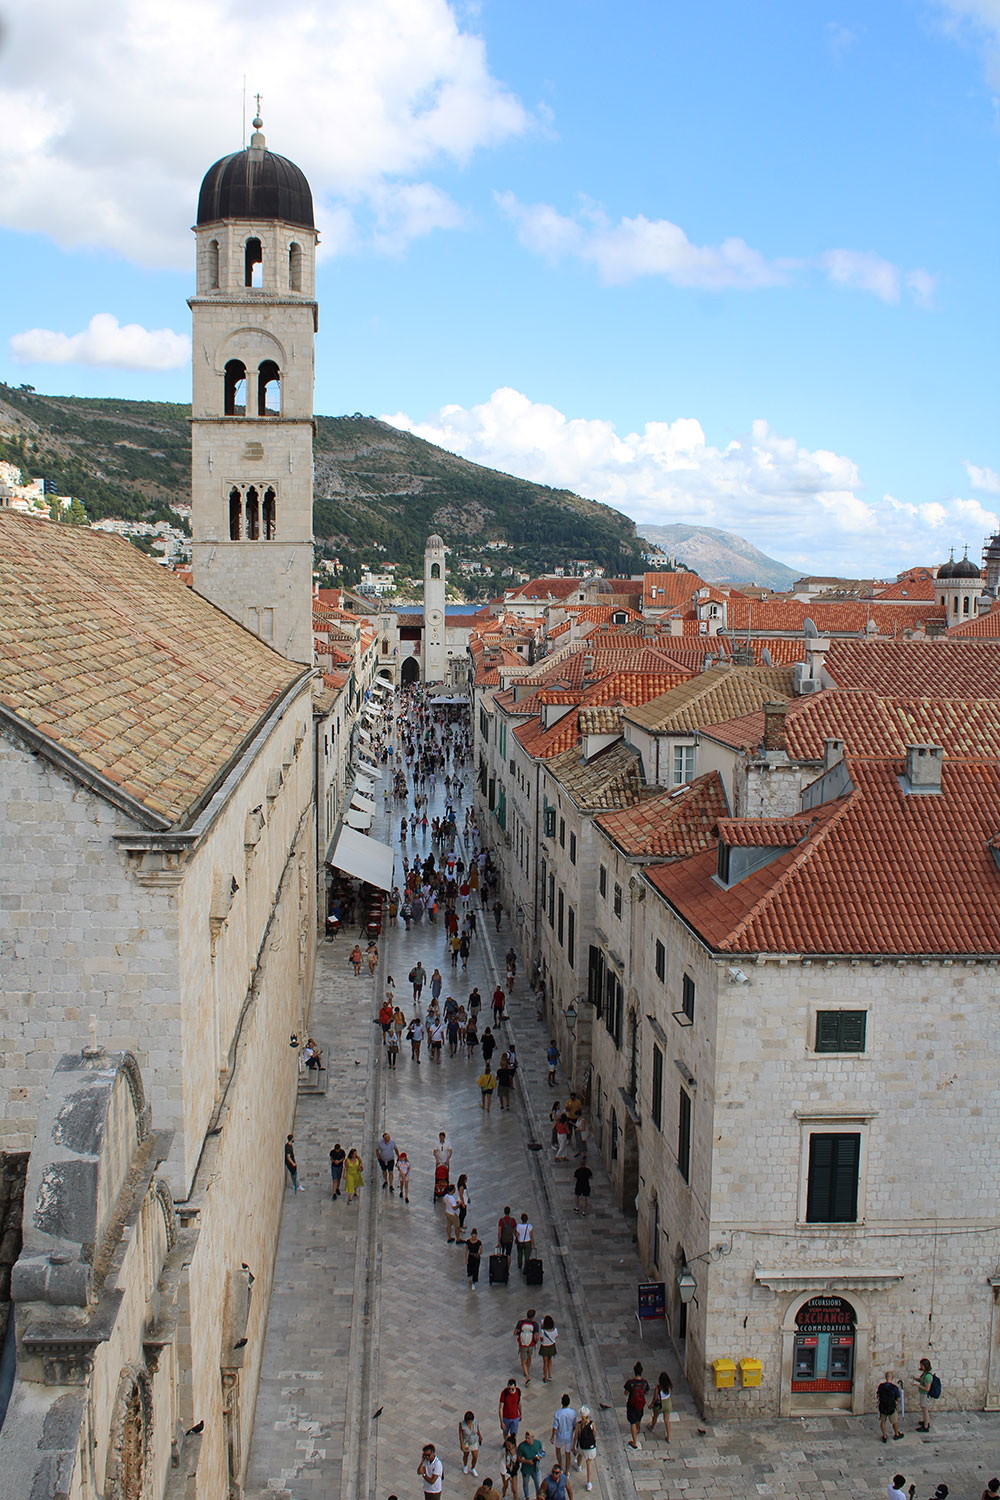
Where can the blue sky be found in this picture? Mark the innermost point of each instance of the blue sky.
(725, 263)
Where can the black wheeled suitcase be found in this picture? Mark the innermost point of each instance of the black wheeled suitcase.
(534, 1272)
(499, 1270)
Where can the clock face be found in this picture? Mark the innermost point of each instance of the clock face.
(434, 617)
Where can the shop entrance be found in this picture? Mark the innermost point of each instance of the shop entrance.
(823, 1352)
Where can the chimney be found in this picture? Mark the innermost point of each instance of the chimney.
(588, 664)
(923, 768)
(774, 725)
(833, 751)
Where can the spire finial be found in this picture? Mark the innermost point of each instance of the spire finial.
(257, 142)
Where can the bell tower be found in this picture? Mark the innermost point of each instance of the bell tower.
(254, 319)
(435, 654)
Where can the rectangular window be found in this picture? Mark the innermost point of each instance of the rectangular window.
(503, 740)
(614, 1005)
(656, 1101)
(684, 1136)
(683, 764)
(618, 899)
(550, 822)
(562, 833)
(595, 978)
(552, 899)
(572, 848)
(560, 917)
(687, 997)
(571, 937)
(833, 1179)
(602, 881)
(841, 1030)
(484, 725)
(661, 962)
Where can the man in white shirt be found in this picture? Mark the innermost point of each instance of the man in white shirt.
(563, 1425)
(524, 1235)
(896, 1490)
(442, 1151)
(430, 1469)
(451, 1216)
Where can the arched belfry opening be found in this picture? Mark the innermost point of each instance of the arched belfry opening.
(253, 514)
(213, 266)
(295, 268)
(435, 570)
(268, 389)
(269, 515)
(254, 264)
(235, 389)
(235, 515)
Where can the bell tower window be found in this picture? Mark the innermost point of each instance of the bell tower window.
(213, 266)
(295, 268)
(435, 570)
(236, 389)
(254, 275)
(268, 389)
(235, 515)
(269, 515)
(253, 514)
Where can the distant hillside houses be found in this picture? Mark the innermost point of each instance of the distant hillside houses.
(29, 496)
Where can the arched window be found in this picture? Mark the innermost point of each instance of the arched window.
(435, 570)
(254, 275)
(965, 605)
(295, 268)
(235, 515)
(213, 266)
(268, 514)
(236, 389)
(268, 389)
(253, 514)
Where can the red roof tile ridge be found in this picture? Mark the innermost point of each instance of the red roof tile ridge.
(822, 820)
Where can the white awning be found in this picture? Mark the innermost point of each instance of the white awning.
(363, 857)
(383, 684)
(371, 707)
(364, 733)
(363, 803)
(364, 784)
(369, 768)
(355, 818)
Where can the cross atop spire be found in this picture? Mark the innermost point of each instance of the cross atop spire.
(257, 141)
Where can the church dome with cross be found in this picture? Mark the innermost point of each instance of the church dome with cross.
(256, 184)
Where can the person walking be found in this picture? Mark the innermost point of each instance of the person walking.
(524, 1238)
(354, 1179)
(505, 1082)
(887, 1396)
(415, 1034)
(291, 1166)
(547, 1337)
(636, 1391)
(471, 1039)
(897, 1489)
(431, 1470)
(498, 912)
(442, 1151)
(451, 1216)
(436, 983)
(662, 1403)
(563, 1427)
(487, 1491)
(585, 1444)
(464, 949)
(529, 1452)
(924, 1381)
(511, 1467)
(355, 959)
(437, 1035)
(581, 1187)
(556, 1485)
(371, 953)
(506, 1228)
(473, 1260)
(475, 1004)
(418, 978)
(552, 1057)
(403, 1171)
(562, 1138)
(464, 1199)
(337, 1158)
(470, 1440)
(510, 1409)
(526, 1335)
(488, 1046)
(499, 1001)
(391, 1048)
(387, 1151)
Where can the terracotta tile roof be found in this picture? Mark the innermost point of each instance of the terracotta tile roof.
(916, 586)
(844, 617)
(672, 589)
(876, 725)
(601, 614)
(713, 696)
(145, 682)
(600, 720)
(544, 588)
(763, 833)
(669, 824)
(879, 873)
(936, 668)
(612, 778)
(743, 733)
(987, 626)
(540, 743)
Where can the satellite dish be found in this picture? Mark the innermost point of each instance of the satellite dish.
(809, 629)
(765, 658)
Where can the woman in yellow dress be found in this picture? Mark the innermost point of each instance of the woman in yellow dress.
(353, 1174)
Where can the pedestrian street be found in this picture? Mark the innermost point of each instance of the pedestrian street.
(376, 1345)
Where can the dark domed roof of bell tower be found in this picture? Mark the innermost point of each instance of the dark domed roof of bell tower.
(256, 184)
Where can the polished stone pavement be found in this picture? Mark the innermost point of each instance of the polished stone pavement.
(372, 1311)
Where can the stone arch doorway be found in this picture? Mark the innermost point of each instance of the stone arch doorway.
(824, 1359)
(410, 671)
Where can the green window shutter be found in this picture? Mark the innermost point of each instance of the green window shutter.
(828, 1031)
(852, 1030)
(832, 1196)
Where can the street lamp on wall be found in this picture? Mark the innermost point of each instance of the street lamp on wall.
(686, 1284)
(571, 1018)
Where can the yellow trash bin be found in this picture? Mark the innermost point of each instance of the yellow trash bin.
(750, 1371)
(725, 1373)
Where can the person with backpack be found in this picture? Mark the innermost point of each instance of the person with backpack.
(585, 1444)
(887, 1396)
(636, 1391)
(526, 1332)
(928, 1390)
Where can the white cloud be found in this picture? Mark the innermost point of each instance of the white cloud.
(656, 247)
(839, 38)
(982, 19)
(408, 211)
(796, 503)
(987, 480)
(104, 342)
(113, 113)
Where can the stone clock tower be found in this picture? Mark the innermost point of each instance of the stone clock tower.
(254, 318)
(435, 651)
